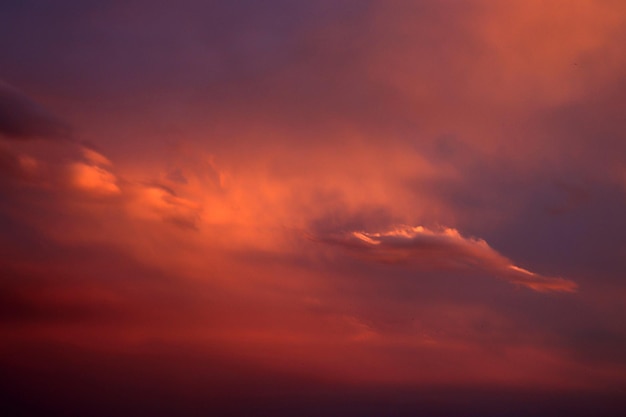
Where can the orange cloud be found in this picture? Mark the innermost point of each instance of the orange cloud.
(93, 179)
(158, 202)
(95, 158)
(550, 51)
(406, 112)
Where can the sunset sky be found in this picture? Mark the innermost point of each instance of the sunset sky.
(313, 208)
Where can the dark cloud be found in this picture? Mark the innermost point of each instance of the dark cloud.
(445, 249)
(187, 381)
(21, 118)
(341, 219)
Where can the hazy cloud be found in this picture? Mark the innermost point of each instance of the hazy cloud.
(17, 165)
(21, 118)
(211, 136)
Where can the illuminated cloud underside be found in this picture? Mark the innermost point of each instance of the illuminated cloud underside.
(445, 249)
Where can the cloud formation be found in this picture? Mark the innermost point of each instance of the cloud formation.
(17, 165)
(22, 119)
(166, 240)
(444, 249)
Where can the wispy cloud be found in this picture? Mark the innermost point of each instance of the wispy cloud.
(444, 249)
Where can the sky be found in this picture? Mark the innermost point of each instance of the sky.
(313, 208)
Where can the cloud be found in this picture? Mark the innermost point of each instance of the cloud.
(444, 249)
(153, 201)
(485, 118)
(21, 118)
(92, 174)
(93, 178)
(95, 157)
(17, 165)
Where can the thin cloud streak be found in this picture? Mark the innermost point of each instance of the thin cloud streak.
(444, 249)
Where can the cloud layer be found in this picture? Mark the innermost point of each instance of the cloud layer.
(211, 208)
